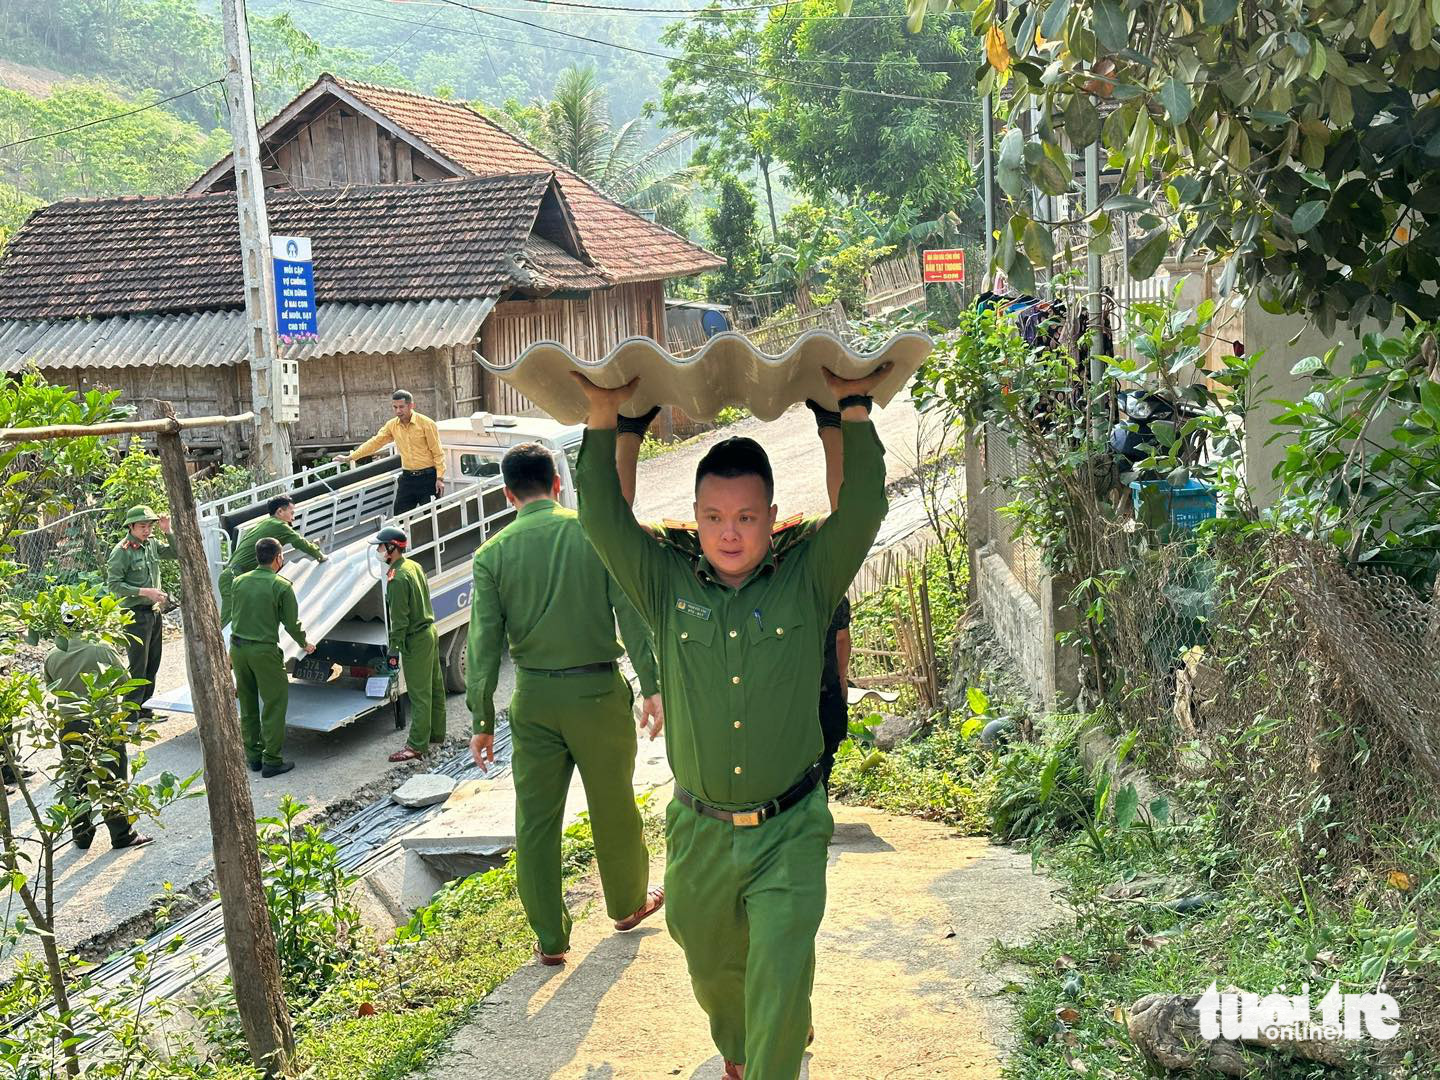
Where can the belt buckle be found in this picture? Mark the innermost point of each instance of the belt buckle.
(747, 819)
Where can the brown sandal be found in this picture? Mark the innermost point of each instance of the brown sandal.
(549, 959)
(407, 754)
(654, 901)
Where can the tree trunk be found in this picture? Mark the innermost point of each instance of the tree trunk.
(249, 941)
(770, 200)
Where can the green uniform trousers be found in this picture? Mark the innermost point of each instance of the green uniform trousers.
(263, 690)
(426, 686)
(143, 645)
(556, 724)
(745, 903)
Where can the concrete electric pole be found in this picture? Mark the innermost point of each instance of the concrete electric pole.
(274, 384)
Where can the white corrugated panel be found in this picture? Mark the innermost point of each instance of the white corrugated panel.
(218, 338)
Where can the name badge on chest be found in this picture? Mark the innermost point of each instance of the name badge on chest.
(689, 607)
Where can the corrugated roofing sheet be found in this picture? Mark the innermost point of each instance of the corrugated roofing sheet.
(218, 338)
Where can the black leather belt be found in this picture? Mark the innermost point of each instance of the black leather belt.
(419, 472)
(582, 669)
(249, 641)
(760, 814)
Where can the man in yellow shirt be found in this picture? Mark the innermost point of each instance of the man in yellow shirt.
(422, 465)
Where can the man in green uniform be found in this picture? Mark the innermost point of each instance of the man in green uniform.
(133, 574)
(739, 635)
(539, 585)
(413, 643)
(82, 768)
(278, 525)
(263, 602)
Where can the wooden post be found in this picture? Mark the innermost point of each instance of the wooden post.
(249, 941)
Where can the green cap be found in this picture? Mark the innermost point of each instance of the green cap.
(140, 513)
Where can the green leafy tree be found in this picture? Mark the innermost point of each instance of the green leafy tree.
(909, 149)
(709, 90)
(1297, 141)
(734, 235)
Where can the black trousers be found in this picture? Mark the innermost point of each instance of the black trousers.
(834, 726)
(112, 768)
(147, 637)
(414, 489)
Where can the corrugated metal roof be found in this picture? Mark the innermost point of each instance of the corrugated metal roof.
(218, 338)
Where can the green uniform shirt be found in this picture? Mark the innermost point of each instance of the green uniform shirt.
(407, 602)
(540, 586)
(741, 666)
(242, 559)
(262, 602)
(72, 658)
(132, 567)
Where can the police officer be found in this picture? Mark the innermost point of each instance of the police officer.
(263, 602)
(413, 644)
(539, 586)
(133, 574)
(73, 657)
(422, 463)
(278, 525)
(739, 636)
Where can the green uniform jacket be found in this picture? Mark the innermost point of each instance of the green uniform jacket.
(264, 601)
(407, 602)
(741, 666)
(242, 559)
(132, 567)
(73, 658)
(539, 585)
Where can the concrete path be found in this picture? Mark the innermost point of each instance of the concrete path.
(901, 989)
(100, 891)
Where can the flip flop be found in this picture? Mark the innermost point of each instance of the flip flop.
(654, 901)
(408, 754)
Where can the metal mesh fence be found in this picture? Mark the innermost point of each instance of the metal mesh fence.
(1001, 463)
(66, 549)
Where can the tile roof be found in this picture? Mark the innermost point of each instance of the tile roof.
(629, 247)
(449, 239)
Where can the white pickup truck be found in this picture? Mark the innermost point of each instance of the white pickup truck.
(341, 601)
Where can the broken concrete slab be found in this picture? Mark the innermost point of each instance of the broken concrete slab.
(424, 789)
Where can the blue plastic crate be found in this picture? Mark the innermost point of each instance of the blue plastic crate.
(1186, 506)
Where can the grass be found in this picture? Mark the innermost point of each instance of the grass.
(394, 1007)
(651, 447)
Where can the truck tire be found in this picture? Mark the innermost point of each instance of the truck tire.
(456, 650)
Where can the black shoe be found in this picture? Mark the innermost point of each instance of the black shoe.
(84, 840)
(255, 766)
(136, 840)
(7, 774)
(268, 771)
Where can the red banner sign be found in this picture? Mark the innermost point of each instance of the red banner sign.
(944, 264)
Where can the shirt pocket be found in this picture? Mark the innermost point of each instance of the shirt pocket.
(778, 649)
(692, 633)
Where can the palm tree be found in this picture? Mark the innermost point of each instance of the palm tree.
(577, 132)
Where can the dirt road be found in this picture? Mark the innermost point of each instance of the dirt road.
(99, 890)
(901, 989)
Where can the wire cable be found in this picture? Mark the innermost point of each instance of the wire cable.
(116, 116)
(734, 69)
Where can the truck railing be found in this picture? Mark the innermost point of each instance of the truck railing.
(447, 530)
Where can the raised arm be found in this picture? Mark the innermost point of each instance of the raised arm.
(827, 426)
(630, 436)
(840, 545)
(632, 555)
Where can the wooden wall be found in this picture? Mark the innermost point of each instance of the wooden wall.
(341, 147)
(589, 328)
(194, 391)
(344, 400)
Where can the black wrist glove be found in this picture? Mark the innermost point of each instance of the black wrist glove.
(857, 399)
(637, 425)
(823, 417)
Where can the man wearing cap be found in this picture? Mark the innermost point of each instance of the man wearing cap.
(740, 637)
(85, 767)
(263, 602)
(413, 644)
(539, 586)
(422, 464)
(277, 525)
(133, 574)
